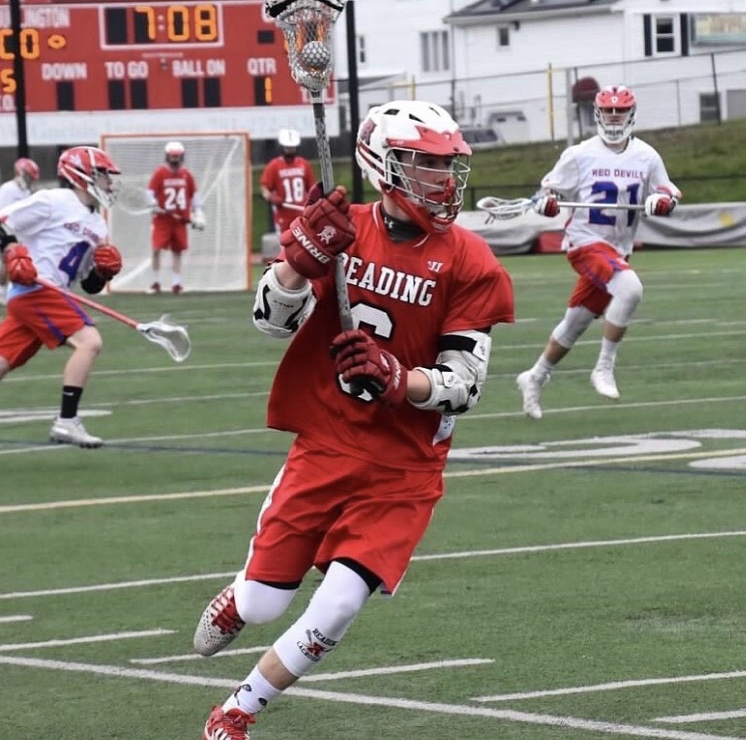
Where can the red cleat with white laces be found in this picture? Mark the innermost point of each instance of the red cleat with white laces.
(230, 725)
(219, 624)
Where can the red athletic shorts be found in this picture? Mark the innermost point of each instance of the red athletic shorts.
(169, 233)
(324, 505)
(42, 317)
(596, 265)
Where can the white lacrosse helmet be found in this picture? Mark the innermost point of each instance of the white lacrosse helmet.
(393, 145)
(614, 110)
(174, 152)
(288, 138)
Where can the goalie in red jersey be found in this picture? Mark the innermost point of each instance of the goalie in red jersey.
(175, 204)
(363, 476)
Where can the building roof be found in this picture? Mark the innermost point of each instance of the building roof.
(497, 10)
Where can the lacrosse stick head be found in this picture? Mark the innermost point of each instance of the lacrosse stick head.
(307, 26)
(172, 337)
(503, 209)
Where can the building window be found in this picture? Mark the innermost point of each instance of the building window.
(666, 35)
(361, 55)
(503, 37)
(434, 47)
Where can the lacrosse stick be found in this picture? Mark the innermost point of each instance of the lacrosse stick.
(307, 27)
(135, 201)
(503, 209)
(172, 337)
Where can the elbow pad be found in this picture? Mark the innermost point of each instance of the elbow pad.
(279, 312)
(457, 378)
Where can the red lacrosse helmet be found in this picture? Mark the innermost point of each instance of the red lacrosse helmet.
(614, 110)
(89, 169)
(26, 169)
(396, 141)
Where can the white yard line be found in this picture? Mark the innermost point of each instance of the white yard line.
(612, 686)
(703, 717)
(113, 637)
(417, 558)
(390, 670)
(16, 618)
(546, 720)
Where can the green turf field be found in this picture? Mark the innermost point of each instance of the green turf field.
(582, 579)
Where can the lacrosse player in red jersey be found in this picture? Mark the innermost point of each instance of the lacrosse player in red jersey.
(287, 180)
(365, 472)
(611, 168)
(175, 203)
(59, 235)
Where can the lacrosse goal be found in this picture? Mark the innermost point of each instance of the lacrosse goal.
(219, 258)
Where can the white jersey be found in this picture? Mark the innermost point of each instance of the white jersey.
(11, 191)
(60, 233)
(591, 172)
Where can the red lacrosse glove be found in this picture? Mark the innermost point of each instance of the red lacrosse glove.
(360, 360)
(547, 205)
(315, 238)
(107, 260)
(276, 199)
(660, 203)
(20, 266)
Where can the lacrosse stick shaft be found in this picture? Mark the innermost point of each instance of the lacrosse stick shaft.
(603, 206)
(110, 312)
(327, 182)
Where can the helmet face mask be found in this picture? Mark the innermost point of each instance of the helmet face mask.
(174, 153)
(414, 153)
(90, 170)
(614, 111)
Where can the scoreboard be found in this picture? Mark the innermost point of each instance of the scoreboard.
(86, 56)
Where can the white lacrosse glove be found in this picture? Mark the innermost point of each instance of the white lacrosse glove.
(198, 219)
(546, 204)
(660, 204)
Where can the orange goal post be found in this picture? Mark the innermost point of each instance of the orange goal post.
(218, 258)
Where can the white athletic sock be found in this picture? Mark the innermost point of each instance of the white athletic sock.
(254, 693)
(176, 279)
(607, 355)
(542, 368)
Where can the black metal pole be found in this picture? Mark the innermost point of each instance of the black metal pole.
(352, 90)
(20, 78)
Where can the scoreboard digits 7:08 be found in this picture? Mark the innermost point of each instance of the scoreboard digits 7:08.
(136, 56)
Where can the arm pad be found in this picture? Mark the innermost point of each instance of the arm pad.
(279, 312)
(457, 378)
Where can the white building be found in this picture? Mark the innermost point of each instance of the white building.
(529, 67)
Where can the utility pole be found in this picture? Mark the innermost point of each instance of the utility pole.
(20, 77)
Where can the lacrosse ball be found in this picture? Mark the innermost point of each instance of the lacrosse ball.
(315, 55)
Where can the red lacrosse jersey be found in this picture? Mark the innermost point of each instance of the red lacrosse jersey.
(292, 180)
(173, 190)
(406, 295)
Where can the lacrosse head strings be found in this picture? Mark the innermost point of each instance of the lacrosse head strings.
(174, 338)
(502, 209)
(134, 200)
(307, 26)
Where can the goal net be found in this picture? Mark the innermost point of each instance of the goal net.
(219, 257)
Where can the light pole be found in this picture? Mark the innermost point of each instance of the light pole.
(20, 78)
